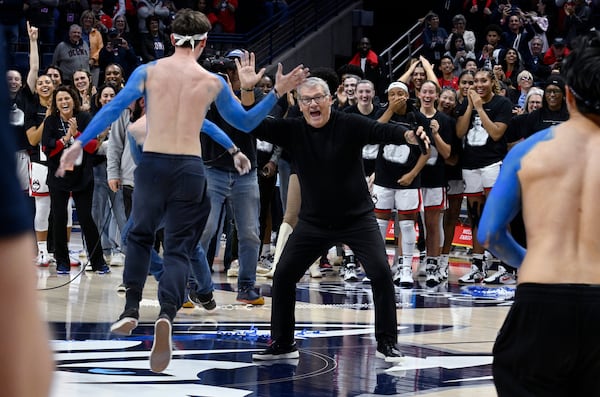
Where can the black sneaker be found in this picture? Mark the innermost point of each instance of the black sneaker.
(104, 269)
(277, 352)
(205, 300)
(389, 352)
(127, 322)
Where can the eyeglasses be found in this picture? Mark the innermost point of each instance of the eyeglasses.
(318, 99)
(553, 92)
(526, 78)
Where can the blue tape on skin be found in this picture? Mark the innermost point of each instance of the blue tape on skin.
(235, 114)
(504, 202)
(135, 88)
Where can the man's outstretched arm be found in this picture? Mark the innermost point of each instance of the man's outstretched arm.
(134, 89)
(247, 120)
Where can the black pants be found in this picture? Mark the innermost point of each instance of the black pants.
(83, 203)
(308, 242)
(548, 344)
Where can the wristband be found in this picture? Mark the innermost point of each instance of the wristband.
(276, 93)
(247, 89)
(235, 151)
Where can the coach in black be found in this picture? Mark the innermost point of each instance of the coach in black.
(326, 147)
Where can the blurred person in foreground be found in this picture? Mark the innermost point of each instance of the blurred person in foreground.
(548, 345)
(24, 350)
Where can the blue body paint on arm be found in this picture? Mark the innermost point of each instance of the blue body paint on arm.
(134, 89)
(235, 114)
(217, 134)
(504, 202)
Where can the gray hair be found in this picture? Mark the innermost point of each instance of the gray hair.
(459, 18)
(533, 91)
(312, 82)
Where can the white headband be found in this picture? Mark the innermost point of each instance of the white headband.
(192, 39)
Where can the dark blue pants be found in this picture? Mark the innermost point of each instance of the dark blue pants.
(308, 242)
(170, 190)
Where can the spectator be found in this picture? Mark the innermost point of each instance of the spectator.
(370, 63)
(223, 16)
(62, 126)
(72, 54)
(69, 12)
(533, 60)
(553, 111)
(510, 59)
(490, 51)
(518, 32)
(556, 53)
(155, 44)
(82, 82)
(577, 19)
(118, 50)
(346, 93)
(93, 37)
(482, 122)
(441, 130)
(108, 208)
(40, 13)
(434, 38)
(151, 7)
(459, 27)
(448, 77)
(128, 32)
(458, 52)
(525, 83)
(105, 19)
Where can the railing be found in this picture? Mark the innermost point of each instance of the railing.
(402, 50)
(283, 31)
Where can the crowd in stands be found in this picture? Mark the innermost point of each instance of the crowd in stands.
(488, 76)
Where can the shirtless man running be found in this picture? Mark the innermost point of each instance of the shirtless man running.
(548, 345)
(170, 179)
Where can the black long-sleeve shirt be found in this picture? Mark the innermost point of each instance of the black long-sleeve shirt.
(329, 163)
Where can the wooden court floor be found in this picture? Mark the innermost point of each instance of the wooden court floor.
(446, 334)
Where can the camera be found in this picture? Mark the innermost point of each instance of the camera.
(218, 64)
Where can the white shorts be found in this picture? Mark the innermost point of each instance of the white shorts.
(455, 188)
(434, 198)
(405, 201)
(479, 180)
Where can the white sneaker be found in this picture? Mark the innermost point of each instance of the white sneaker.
(501, 276)
(406, 277)
(350, 273)
(42, 260)
(433, 278)
(117, 259)
(264, 265)
(473, 276)
(444, 265)
(234, 268)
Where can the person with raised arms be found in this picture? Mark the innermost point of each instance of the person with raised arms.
(170, 178)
